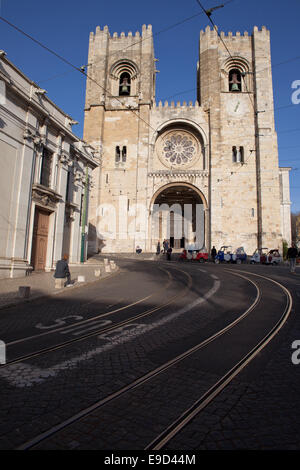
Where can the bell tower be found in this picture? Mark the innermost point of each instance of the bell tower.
(236, 91)
(120, 92)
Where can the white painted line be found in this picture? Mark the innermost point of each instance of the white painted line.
(25, 375)
(105, 323)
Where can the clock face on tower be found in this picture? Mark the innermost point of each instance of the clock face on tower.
(236, 106)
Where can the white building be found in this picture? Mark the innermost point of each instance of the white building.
(45, 179)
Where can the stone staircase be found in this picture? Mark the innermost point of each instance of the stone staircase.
(134, 256)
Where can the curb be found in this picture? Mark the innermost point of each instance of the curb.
(58, 291)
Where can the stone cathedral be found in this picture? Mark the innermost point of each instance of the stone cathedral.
(218, 153)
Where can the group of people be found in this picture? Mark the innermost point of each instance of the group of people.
(62, 267)
(166, 249)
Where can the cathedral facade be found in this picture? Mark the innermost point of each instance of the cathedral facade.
(202, 173)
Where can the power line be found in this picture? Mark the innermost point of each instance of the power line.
(289, 130)
(167, 28)
(94, 81)
(71, 65)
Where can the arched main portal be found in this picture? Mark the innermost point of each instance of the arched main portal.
(178, 216)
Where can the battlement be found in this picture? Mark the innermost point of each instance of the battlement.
(212, 33)
(146, 31)
(178, 105)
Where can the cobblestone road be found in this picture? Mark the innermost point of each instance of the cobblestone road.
(258, 410)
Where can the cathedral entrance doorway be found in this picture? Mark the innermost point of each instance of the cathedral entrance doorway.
(178, 216)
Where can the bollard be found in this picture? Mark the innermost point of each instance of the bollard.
(112, 265)
(107, 268)
(105, 261)
(24, 292)
(81, 279)
(59, 283)
(97, 272)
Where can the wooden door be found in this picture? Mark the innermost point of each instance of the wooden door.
(40, 239)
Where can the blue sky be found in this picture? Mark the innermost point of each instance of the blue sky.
(64, 26)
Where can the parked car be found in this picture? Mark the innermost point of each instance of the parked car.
(273, 257)
(259, 256)
(200, 255)
(224, 255)
(241, 256)
(194, 255)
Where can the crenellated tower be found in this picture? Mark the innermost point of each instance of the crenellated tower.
(120, 92)
(235, 87)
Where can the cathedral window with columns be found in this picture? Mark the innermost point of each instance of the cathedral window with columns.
(238, 154)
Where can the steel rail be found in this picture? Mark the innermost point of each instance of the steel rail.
(160, 441)
(101, 330)
(143, 379)
(88, 320)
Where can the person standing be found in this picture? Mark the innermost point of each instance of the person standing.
(292, 256)
(213, 253)
(62, 270)
(158, 248)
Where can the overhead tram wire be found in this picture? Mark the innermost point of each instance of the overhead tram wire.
(79, 69)
(223, 42)
(66, 61)
(230, 55)
(167, 28)
(163, 31)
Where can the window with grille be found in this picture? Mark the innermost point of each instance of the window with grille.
(46, 168)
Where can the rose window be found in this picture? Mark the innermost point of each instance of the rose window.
(178, 148)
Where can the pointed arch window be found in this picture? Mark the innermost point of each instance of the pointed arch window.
(124, 84)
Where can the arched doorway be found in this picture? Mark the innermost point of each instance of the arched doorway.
(178, 216)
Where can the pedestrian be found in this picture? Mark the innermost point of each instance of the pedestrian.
(169, 252)
(292, 256)
(164, 245)
(62, 270)
(213, 253)
(138, 250)
(158, 248)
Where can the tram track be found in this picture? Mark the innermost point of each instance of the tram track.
(184, 418)
(99, 331)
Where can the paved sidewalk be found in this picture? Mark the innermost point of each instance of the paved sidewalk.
(43, 284)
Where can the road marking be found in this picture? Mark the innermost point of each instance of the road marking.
(25, 375)
(58, 322)
(94, 327)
